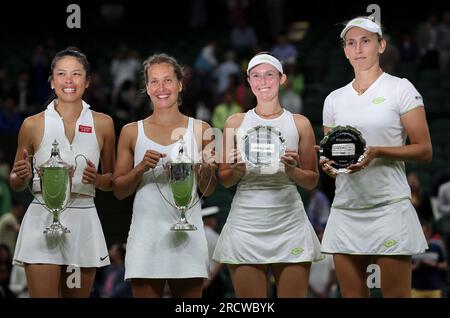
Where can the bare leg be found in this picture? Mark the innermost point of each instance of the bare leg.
(291, 279)
(87, 276)
(249, 281)
(395, 275)
(351, 272)
(147, 288)
(43, 280)
(186, 287)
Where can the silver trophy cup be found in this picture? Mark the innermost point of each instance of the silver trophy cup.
(56, 184)
(182, 179)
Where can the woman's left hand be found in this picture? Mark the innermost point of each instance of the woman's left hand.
(290, 159)
(367, 158)
(90, 174)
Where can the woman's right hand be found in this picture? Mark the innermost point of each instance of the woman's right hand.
(151, 159)
(325, 164)
(22, 168)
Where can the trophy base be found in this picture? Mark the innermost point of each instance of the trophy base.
(181, 227)
(341, 170)
(56, 230)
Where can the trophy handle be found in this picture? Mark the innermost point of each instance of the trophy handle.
(164, 166)
(76, 157)
(207, 186)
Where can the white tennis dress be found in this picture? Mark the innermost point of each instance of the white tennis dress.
(372, 212)
(267, 222)
(153, 250)
(85, 245)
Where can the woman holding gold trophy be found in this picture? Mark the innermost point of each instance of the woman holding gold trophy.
(157, 250)
(267, 227)
(65, 129)
(372, 220)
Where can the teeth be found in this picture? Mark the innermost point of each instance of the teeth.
(162, 96)
(69, 90)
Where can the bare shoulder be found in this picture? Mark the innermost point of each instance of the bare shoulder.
(235, 120)
(34, 121)
(102, 118)
(201, 123)
(301, 121)
(129, 129)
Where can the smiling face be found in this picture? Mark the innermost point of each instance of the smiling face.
(69, 79)
(363, 49)
(265, 81)
(163, 86)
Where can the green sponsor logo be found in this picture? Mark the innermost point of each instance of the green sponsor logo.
(390, 243)
(358, 21)
(378, 100)
(297, 251)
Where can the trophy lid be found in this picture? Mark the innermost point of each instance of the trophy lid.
(182, 156)
(55, 160)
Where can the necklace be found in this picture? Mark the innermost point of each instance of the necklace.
(359, 90)
(269, 115)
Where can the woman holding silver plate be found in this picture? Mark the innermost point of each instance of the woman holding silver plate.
(155, 253)
(77, 130)
(372, 220)
(267, 227)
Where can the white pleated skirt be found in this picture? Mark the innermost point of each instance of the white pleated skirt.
(84, 246)
(392, 229)
(265, 227)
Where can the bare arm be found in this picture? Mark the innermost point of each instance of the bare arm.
(21, 172)
(301, 165)
(231, 168)
(126, 176)
(419, 149)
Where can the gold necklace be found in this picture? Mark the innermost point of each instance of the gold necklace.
(359, 90)
(269, 115)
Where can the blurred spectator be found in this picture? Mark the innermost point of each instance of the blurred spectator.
(427, 42)
(98, 94)
(39, 75)
(283, 50)
(429, 268)
(22, 92)
(114, 285)
(443, 206)
(206, 60)
(409, 52)
(10, 118)
(225, 70)
(5, 192)
(318, 209)
(322, 277)
(443, 40)
(214, 286)
(225, 109)
(419, 198)
(5, 271)
(243, 38)
(391, 56)
(18, 282)
(10, 225)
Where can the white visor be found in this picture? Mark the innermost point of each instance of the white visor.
(264, 58)
(362, 23)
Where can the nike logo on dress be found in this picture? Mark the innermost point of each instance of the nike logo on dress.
(103, 258)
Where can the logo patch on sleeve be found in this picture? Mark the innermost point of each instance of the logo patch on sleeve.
(85, 129)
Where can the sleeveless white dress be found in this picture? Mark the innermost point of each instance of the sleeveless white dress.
(267, 222)
(153, 250)
(85, 245)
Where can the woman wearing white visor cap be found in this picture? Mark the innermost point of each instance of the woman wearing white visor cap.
(267, 227)
(372, 220)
